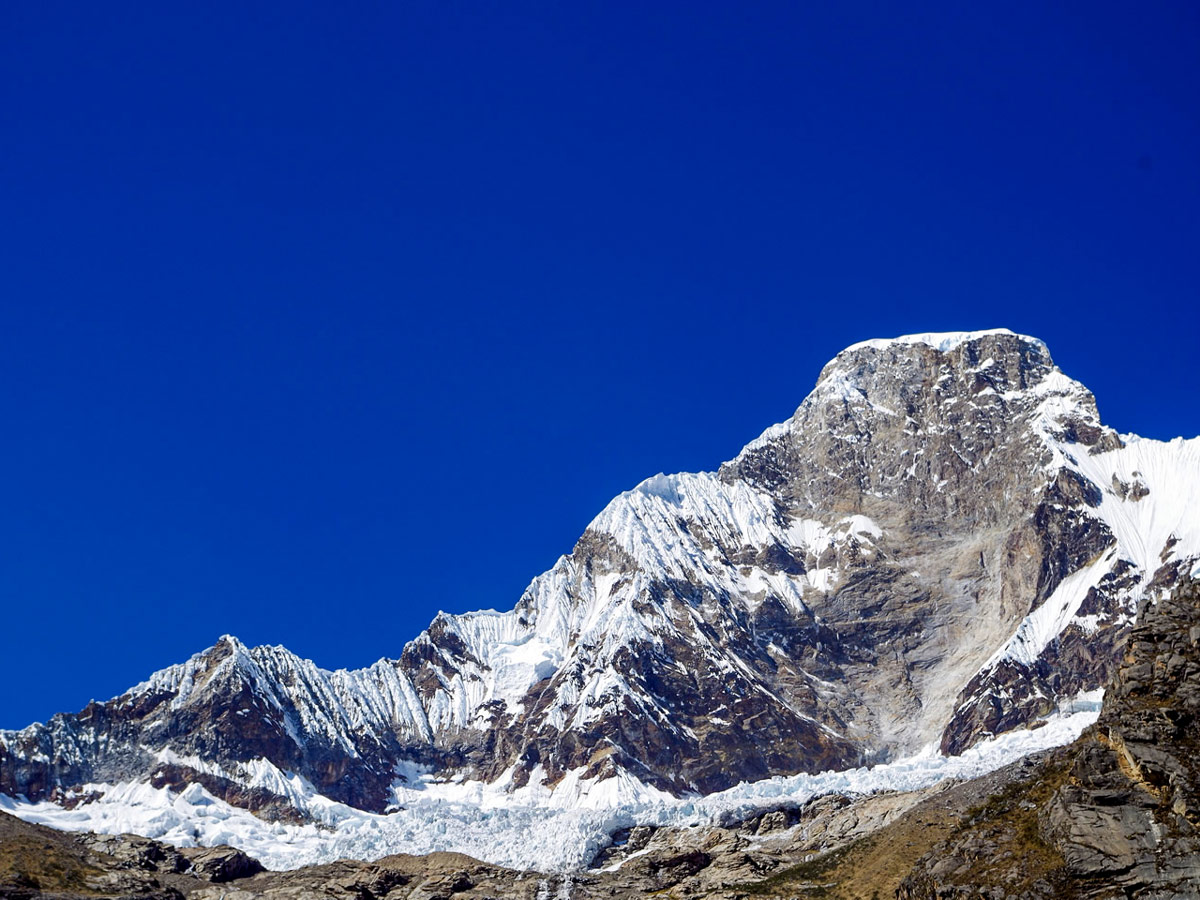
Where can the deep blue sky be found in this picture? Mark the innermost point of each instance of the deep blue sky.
(319, 318)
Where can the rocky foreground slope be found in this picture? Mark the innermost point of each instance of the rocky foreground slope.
(1112, 816)
(944, 542)
(1117, 816)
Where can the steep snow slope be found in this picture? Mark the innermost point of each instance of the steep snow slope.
(1140, 508)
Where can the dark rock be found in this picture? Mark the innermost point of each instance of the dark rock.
(221, 864)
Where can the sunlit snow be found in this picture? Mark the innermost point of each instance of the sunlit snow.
(943, 341)
(530, 828)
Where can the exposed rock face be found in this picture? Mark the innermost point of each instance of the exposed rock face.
(942, 543)
(1120, 816)
(1130, 816)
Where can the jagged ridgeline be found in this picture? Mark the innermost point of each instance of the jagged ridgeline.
(943, 543)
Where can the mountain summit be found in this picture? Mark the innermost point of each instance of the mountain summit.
(941, 544)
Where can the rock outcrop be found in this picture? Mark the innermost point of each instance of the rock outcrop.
(1119, 816)
(36, 861)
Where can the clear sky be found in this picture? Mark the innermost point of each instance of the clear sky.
(318, 318)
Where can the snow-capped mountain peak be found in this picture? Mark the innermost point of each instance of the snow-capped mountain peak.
(943, 342)
(942, 542)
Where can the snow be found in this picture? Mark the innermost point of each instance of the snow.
(1142, 527)
(645, 521)
(1048, 621)
(862, 525)
(815, 537)
(1149, 531)
(847, 387)
(532, 828)
(941, 341)
(520, 664)
(770, 435)
(660, 485)
(310, 701)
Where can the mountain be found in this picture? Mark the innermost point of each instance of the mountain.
(1111, 815)
(943, 543)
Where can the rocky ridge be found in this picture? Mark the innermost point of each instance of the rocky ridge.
(36, 861)
(942, 543)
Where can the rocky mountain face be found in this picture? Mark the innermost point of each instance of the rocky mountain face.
(1116, 816)
(942, 543)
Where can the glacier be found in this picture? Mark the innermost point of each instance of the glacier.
(526, 829)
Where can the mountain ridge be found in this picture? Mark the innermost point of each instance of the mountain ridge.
(859, 581)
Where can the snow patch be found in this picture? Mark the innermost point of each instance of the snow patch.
(1048, 621)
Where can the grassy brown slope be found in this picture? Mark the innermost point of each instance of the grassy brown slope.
(871, 867)
(999, 842)
(874, 866)
(33, 857)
